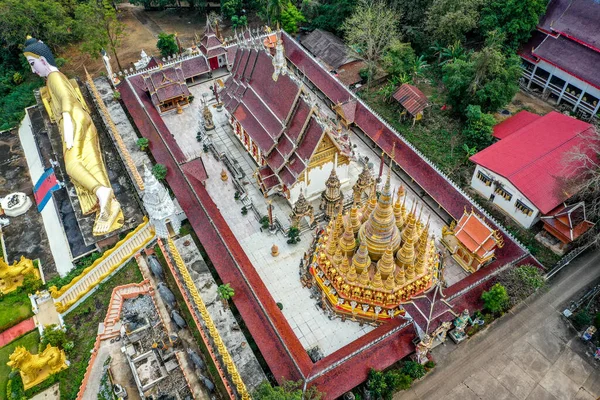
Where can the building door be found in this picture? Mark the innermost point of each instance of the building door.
(214, 63)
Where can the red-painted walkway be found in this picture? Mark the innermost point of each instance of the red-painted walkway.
(16, 331)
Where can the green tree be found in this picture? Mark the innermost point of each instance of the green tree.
(479, 128)
(152, 4)
(55, 336)
(47, 20)
(288, 390)
(331, 14)
(413, 18)
(231, 8)
(413, 369)
(99, 27)
(372, 28)
(290, 18)
(225, 292)
(239, 22)
(31, 284)
(449, 21)
(496, 299)
(167, 45)
(516, 19)
(159, 171)
(143, 143)
(486, 78)
(399, 59)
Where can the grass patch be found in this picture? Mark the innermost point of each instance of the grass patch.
(29, 341)
(187, 315)
(82, 327)
(438, 135)
(14, 308)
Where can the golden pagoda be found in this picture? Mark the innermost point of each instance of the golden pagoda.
(394, 260)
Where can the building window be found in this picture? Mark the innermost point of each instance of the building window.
(523, 208)
(500, 191)
(484, 178)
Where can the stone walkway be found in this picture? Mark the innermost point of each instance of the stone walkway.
(529, 354)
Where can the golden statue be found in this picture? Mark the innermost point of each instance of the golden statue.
(81, 148)
(36, 368)
(11, 277)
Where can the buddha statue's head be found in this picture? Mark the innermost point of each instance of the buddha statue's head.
(39, 56)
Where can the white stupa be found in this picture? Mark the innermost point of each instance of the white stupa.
(159, 206)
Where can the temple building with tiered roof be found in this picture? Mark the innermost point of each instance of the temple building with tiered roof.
(366, 270)
(280, 124)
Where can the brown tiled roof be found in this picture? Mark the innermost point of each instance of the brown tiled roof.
(231, 52)
(348, 110)
(329, 48)
(211, 53)
(411, 98)
(577, 19)
(166, 84)
(195, 66)
(567, 223)
(572, 57)
(349, 73)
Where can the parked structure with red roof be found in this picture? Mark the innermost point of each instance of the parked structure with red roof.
(561, 59)
(412, 99)
(471, 241)
(524, 173)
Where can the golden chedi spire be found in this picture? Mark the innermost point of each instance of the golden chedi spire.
(406, 255)
(332, 244)
(347, 241)
(377, 282)
(345, 266)
(422, 254)
(331, 198)
(400, 276)
(339, 225)
(338, 257)
(363, 279)
(352, 275)
(370, 206)
(361, 259)
(380, 230)
(354, 220)
(389, 282)
(398, 208)
(386, 265)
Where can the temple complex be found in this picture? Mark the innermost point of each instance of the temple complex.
(368, 273)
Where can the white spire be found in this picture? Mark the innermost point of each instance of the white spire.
(159, 205)
(279, 62)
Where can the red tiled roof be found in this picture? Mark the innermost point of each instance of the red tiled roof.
(166, 84)
(195, 66)
(211, 53)
(231, 52)
(298, 120)
(253, 127)
(195, 170)
(514, 123)
(567, 222)
(411, 98)
(348, 109)
(474, 233)
(533, 159)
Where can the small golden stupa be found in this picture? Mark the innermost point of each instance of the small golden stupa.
(367, 273)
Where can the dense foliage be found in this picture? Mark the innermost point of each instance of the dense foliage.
(166, 44)
(449, 21)
(478, 128)
(496, 299)
(288, 390)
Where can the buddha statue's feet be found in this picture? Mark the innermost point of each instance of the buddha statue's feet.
(109, 219)
(104, 194)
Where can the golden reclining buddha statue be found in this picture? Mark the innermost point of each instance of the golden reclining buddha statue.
(81, 147)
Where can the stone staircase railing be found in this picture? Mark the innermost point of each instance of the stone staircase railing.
(124, 250)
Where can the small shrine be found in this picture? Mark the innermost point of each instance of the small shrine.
(15, 204)
(167, 88)
(159, 206)
(471, 241)
(36, 368)
(302, 208)
(363, 184)
(11, 277)
(366, 271)
(331, 198)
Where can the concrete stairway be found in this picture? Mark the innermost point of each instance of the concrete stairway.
(112, 324)
(112, 260)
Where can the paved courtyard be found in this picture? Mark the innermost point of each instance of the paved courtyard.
(280, 274)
